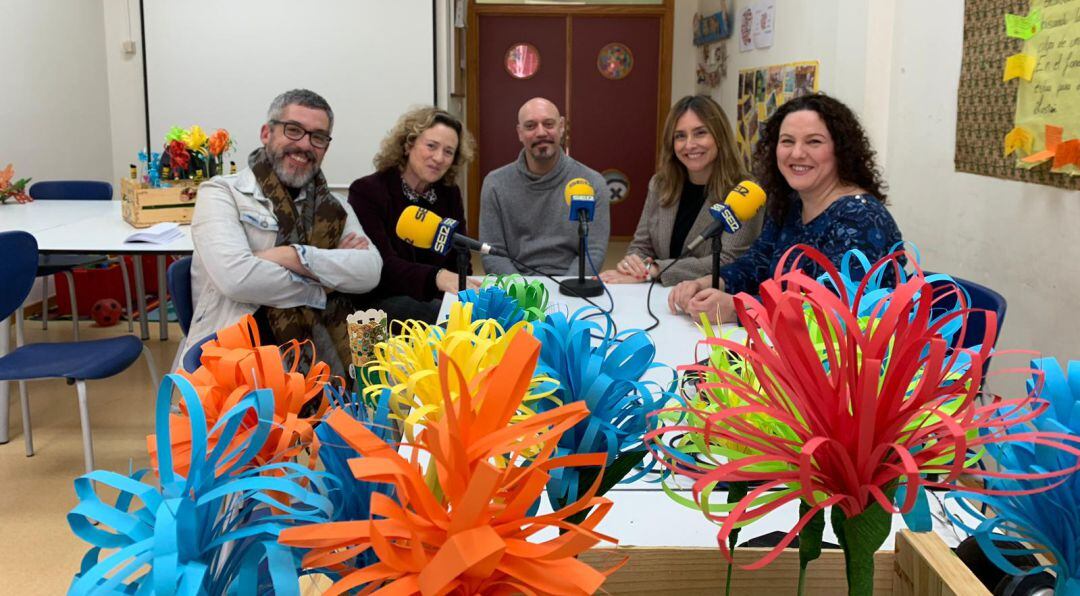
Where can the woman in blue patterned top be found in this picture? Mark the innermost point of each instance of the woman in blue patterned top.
(816, 165)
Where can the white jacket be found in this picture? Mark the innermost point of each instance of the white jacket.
(232, 220)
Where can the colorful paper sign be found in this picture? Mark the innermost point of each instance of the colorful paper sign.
(1022, 27)
(1019, 66)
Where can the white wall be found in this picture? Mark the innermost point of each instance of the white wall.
(125, 79)
(683, 56)
(1017, 238)
(805, 31)
(900, 72)
(54, 110)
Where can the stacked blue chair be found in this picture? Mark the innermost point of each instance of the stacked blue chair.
(63, 264)
(77, 361)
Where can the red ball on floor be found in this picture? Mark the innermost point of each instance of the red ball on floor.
(106, 312)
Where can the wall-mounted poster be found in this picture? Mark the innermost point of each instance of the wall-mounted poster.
(763, 90)
(712, 28)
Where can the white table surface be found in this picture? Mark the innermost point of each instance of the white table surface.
(37, 216)
(92, 227)
(643, 515)
(675, 337)
(98, 227)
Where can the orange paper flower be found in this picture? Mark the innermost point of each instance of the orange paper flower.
(473, 533)
(233, 365)
(219, 141)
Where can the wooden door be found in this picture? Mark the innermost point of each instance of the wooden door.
(607, 68)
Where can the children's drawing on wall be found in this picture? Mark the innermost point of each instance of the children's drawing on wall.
(709, 34)
(761, 92)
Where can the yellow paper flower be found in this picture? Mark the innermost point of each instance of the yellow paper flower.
(195, 138)
(408, 363)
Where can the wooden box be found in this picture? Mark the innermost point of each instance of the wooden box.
(144, 207)
(922, 565)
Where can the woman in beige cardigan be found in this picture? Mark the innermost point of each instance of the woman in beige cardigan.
(696, 167)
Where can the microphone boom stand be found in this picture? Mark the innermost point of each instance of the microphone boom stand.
(463, 259)
(717, 246)
(581, 287)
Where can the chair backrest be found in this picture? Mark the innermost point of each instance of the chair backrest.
(179, 281)
(985, 299)
(18, 269)
(71, 190)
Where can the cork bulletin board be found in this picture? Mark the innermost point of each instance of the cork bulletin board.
(986, 105)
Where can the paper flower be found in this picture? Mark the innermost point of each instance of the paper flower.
(606, 372)
(179, 158)
(885, 403)
(13, 190)
(235, 364)
(175, 134)
(194, 138)
(531, 296)
(492, 302)
(212, 530)
(220, 142)
(408, 363)
(474, 535)
(1047, 522)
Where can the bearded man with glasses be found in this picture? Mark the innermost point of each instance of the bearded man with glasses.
(272, 241)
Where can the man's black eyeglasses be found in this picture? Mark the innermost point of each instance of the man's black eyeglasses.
(296, 132)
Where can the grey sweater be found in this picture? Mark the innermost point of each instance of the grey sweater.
(527, 216)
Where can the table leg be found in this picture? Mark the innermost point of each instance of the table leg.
(5, 347)
(163, 299)
(140, 297)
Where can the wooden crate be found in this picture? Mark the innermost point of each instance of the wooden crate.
(144, 207)
(922, 564)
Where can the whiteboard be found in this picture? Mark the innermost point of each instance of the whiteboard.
(220, 64)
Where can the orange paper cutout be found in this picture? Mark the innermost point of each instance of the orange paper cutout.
(471, 533)
(235, 364)
(1067, 153)
(1053, 139)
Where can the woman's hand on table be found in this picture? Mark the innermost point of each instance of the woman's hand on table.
(718, 306)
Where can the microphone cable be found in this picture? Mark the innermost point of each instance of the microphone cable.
(606, 313)
(648, 295)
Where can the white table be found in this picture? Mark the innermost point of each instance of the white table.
(95, 227)
(675, 337)
(85, 227)
(643, 515)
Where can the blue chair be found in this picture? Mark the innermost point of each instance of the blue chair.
(77, 362)
(63, 264)
(980, 298)
(178, 279)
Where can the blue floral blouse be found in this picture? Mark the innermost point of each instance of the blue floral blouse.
(853, 221)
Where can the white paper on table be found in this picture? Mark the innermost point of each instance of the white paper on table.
(162, 233)
(764, 19)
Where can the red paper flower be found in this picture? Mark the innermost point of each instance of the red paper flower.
(879, 403)
(179, 157)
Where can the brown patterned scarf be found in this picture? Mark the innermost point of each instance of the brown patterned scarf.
(325, 221)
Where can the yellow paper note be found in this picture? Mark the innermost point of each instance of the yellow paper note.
(1019, 65)
(1018, 138)
(1022, 27)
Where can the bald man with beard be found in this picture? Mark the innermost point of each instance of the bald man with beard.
(523, 210)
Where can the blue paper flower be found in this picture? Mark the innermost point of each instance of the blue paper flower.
(493, 302)
(1046, 522)
(214, 532)
(606, 372)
